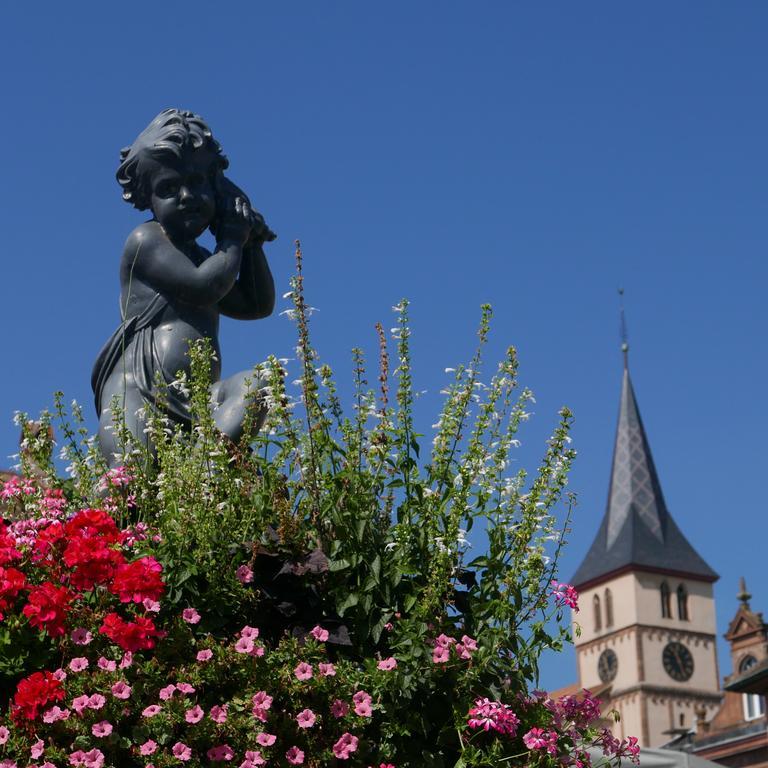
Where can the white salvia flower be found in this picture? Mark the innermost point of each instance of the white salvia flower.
(450, 370)
(389, 547)
(462, 540)
(288, 294)
(289, 313)
(297, 382)
(514, 443)
(458, 481)
(397, 308)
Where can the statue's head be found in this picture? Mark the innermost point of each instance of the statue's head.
(171, 136)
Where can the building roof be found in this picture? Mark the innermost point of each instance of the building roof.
(637, 530)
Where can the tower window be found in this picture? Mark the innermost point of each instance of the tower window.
(682, 603)
(666, 609)
(747, 663)
(754, 706)
(608, 608)
(596, 608)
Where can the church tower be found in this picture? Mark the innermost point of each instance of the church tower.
(647, 620)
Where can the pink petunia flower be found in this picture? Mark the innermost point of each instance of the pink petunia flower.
(306, 718)
(37, 749)
(194, 715)
(101, 729)
(78, 664)
(190, 615)
(320, 634)
(345, 746)
(250, 632)
(253, 758)
(106, 664)
(387, 664)
(362, 701)
(81, 636)
(244, 574)
(60, 675)
(185, 688)
(127, 660)
(266, 739)
(79, 704)
(148, 747)
(220, 753)
(167, 692)
(326, 670)
(294, 756)
(151, 605)
(440, 654)
(244, 645)
(152, 710)
(181, 751)
(469, 643)
(205, 655)
(54, 714)
(303, 671)
(96, 701)
(218, 713)
(339, 708)
(121, 690)
(5, 734)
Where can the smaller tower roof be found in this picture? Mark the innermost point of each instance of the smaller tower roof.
(637, 530)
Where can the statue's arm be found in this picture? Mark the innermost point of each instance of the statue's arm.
(153, 259)
(253, 295)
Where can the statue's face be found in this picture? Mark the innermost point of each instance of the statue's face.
(182, 195)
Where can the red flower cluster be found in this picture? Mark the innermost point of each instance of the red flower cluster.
(138, 581)
(34, 693)
(11, 583)
(92, 548)
(47, 607)
(138, 635)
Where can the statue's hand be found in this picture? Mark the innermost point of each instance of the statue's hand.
(235, 221)
(226, 192)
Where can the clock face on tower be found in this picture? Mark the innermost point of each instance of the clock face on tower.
(677, 661)
(607, 665)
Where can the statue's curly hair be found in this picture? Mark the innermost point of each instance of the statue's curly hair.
(166, 136)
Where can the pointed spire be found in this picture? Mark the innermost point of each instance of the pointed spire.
(637, 529)
(743, 595)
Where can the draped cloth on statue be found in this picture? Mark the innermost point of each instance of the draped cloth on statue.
(132, 349)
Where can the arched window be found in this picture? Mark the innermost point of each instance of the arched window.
(682, 603)
(666, 610)
(596, 608)
(747, 663)
(608, 608)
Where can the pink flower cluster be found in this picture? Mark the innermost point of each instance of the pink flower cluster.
(464, 648)
(564, 595)
(493, 715)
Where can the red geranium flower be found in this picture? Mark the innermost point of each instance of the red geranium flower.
(11, 583)
(93, 523)
(47, 539)
(93, 560)
(47, 608)
(138, 635)
(139, 581)
(36, 692)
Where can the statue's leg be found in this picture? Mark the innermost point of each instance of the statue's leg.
(238, 405)
(119, 392)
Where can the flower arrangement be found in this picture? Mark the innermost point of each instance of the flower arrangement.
(306, 599)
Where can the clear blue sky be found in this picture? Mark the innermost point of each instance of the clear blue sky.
(531, 155)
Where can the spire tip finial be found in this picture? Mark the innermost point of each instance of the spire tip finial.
(624, 337)
(743, 595)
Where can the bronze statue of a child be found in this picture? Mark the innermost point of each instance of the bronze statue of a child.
(174, 290)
